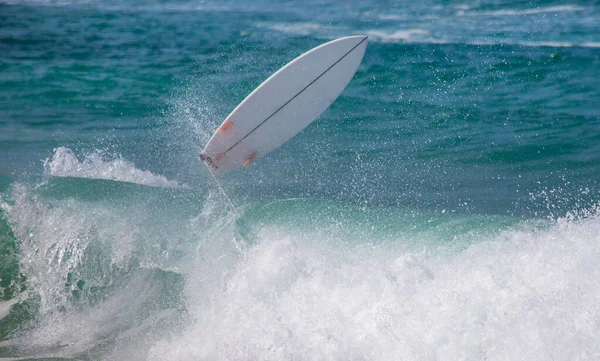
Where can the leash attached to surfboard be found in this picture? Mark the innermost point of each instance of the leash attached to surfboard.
(233, 207)
(283, 105)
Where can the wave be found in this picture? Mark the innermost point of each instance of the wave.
(407, 35)
(319, 285)
(549, 44)
(558, 44)
(290, 298)
(105, 270)
(64, 163)
(421, 36)
(300, 28)
(513, 12)
(5, 307)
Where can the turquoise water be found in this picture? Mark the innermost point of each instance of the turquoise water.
(444, 207)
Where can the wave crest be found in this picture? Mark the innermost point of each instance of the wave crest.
(513, 12)
(64, 163)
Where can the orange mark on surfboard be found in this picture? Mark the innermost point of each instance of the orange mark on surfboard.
(225, 127)
(250, 158)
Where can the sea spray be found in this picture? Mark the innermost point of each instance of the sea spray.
(289, 300)
(103, 270)
(98, 165)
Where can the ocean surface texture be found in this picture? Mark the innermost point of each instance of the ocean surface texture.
(446, 207)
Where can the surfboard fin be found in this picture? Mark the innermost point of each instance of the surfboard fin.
(205, 158)
(208, 160)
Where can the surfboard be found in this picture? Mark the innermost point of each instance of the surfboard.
(284, 104)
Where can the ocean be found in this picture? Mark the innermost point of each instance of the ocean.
(445, 207)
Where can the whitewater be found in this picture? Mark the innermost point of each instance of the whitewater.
(294, 283)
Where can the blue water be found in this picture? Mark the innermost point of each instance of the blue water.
(445, 207)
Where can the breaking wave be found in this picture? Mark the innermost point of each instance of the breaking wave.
(64, 163)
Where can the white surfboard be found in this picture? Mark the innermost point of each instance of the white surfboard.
(284, 104)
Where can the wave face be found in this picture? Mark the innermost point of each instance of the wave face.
(445, 207)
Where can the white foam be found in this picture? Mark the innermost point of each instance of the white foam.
(406, 35)
(528, 294)
(513, 12)
(64, 163)
(392, 16)
(558, 44)
(65, 334)
(420, 36)
(56, 240)
(63, 242)
(5, 307)
(301, 28)
(551, 44)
